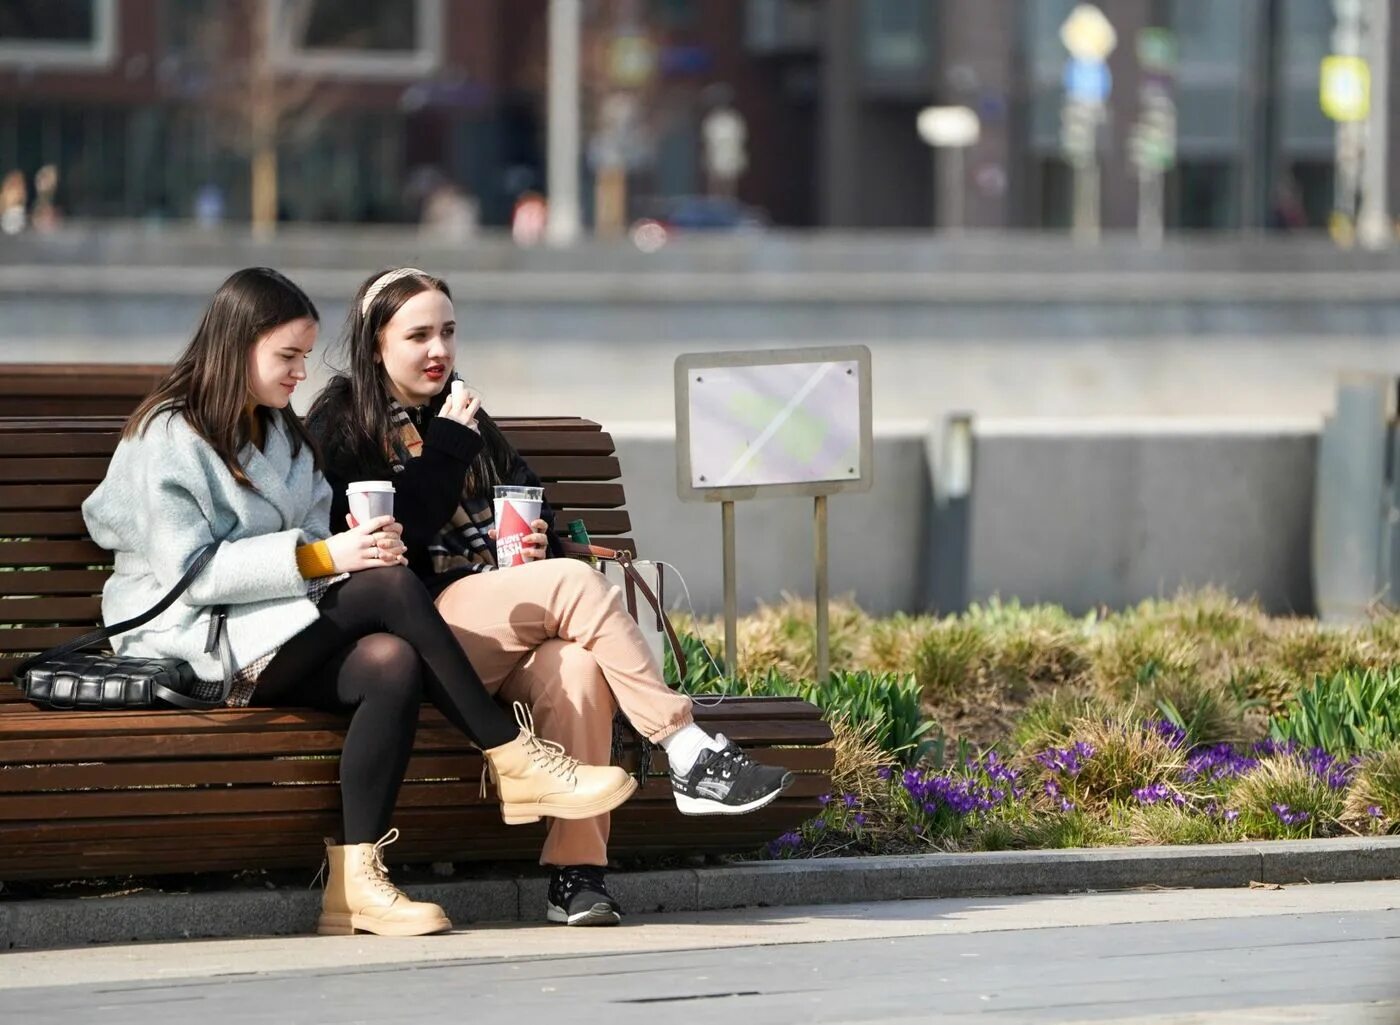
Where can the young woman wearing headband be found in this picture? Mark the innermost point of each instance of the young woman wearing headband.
(552, 633)
(335, 621)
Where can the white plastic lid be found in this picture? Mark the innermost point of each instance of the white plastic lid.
(370, 485)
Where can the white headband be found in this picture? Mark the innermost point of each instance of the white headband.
(382, 282)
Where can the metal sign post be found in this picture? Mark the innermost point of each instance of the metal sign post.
(770, 424)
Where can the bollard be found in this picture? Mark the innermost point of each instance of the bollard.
(1351, 506)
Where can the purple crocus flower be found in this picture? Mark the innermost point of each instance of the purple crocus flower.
(1173, 734)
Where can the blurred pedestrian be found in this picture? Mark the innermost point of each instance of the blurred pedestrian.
(46, 214)
(14, 202)
(528, 219)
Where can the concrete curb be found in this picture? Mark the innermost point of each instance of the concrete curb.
(144, 917)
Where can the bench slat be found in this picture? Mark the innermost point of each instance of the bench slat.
(574, 467)
(29, 470)
(45, 496)
(53, 553)
(45, 524)
(107, 777)
(531, 444)
(37, 723)
(53, 581)
(581, 495)
(59, 444)
(244, 800)
(83, 612)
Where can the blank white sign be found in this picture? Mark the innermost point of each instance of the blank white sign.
(794, 423)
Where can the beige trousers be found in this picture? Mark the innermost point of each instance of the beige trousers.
(556, 635)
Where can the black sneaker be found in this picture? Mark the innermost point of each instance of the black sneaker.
(727, 782)
(577, 896)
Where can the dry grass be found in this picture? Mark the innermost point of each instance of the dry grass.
(1220, 661)
(1125, 758)
(1373, 799)
(858, 761)
(1286, 781)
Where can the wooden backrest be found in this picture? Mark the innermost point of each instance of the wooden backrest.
(75, 389)
(51, 574)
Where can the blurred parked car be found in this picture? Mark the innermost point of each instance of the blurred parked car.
(663, 217)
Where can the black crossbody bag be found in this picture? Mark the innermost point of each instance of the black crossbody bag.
(69, 677)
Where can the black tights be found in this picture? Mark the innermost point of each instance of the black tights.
(379, 646)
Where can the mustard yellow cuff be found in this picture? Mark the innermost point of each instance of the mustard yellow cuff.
(314, 560)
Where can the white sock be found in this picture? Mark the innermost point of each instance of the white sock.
(685, 745)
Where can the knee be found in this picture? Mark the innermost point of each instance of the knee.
(574, 572)
(393, 670)
(582, 685)
(578, 577)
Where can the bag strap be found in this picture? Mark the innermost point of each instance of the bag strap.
(624, 559)
(217, 634)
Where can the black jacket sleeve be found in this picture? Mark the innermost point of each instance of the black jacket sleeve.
(429, 491)
(426, 493)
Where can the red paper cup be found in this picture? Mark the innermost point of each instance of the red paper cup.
(516, 509)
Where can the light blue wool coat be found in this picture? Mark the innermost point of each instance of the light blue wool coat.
(166, 495)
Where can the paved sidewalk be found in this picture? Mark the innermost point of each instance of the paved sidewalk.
(1296, 954)
(68, 922)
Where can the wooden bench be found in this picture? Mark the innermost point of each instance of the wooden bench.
(89, 793)
(75, 389)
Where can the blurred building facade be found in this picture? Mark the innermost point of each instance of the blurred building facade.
(143, 105)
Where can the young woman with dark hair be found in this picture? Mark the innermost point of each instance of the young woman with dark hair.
(336, 621)
(552, 633)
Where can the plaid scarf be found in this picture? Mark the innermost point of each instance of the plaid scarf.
(463, 544)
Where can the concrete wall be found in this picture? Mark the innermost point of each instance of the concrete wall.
(1087, 515)
(876, 538)
(1077, 513)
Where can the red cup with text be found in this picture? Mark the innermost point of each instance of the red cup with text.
(516, 508)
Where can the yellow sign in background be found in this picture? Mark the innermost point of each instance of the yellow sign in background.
(1345, 88)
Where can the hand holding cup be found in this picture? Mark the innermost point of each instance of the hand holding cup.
(532, 546)
(371, 544)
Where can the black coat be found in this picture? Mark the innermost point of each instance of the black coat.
(429, 490)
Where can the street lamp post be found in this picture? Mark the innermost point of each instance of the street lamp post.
(1373, 229)
(565, 19)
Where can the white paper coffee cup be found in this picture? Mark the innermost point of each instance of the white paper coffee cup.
(370, 499)
(516, 508)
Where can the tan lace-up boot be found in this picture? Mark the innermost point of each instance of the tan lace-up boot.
(360, 898)
(535, 777)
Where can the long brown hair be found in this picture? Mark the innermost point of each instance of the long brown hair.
(353, 409)
(208, 384)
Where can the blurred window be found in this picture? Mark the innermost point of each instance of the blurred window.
(57, 33)
(1045, 57)
(1307, 34)
(894, 36)
(1209, 34)
(387, 25)
(187, 26)
(1040, 26)
(387, 39)
(1203, 194)
(1214, 57)
(676, 14)
(782, 26)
